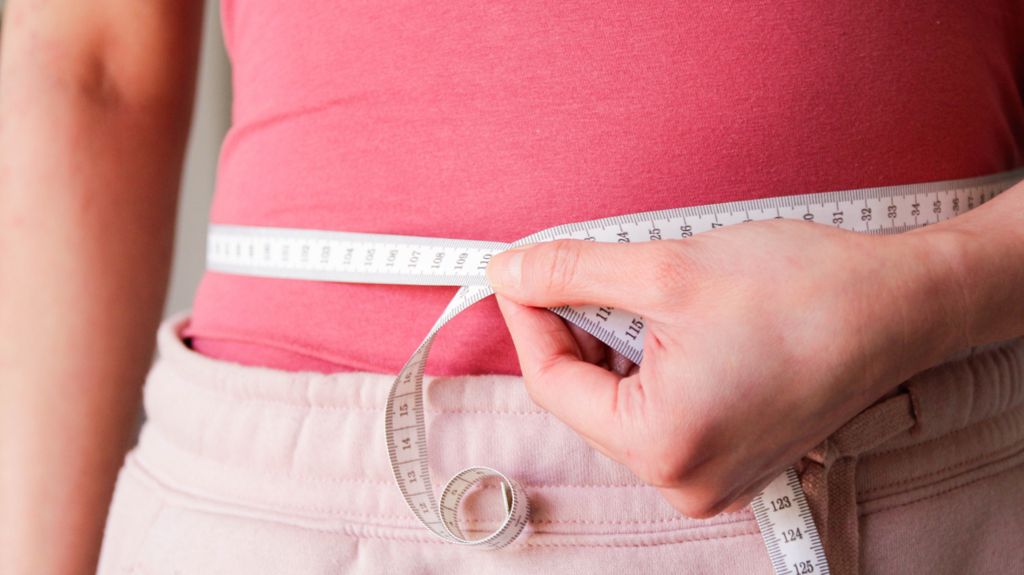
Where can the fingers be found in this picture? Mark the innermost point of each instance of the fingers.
(592, 349)
(747, 496)
(598, 353)
(558, 378)
(570, 272)
(621, 364)
(557, 363)
(703, 499)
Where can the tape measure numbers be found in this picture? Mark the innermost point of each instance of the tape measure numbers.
(781, 509)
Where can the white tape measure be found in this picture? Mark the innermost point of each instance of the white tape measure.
(781, 509)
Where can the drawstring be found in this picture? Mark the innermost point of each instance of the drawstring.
(829, 477)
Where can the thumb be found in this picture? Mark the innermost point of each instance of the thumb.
(574, 272)
(581, 394)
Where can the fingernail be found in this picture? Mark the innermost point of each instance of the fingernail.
(508, 272)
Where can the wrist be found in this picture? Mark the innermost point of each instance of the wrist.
(933, 291)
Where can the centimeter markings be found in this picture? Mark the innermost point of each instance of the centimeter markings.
(348, 257)
(783, 515)
(393, 259)
(788, 529)
(379, 258)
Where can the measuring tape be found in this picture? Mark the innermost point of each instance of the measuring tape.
(782, 512)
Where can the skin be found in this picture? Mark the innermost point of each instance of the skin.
(95, 102)
(761, 339)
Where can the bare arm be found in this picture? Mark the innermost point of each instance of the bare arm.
(984, 280)
(95, 101)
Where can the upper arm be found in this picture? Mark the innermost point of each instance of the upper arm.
(123, 54)
(95, 103)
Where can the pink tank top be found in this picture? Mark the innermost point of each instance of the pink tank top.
(491, 120)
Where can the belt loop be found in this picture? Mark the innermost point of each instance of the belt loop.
(830, 482)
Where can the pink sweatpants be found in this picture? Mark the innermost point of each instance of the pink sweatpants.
(252, 470)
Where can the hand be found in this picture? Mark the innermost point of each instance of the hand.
(761, 339)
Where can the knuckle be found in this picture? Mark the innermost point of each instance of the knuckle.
(673, 451)
(699, 507)
(533, 382)
(670, 273)
(533, 391)
(537, 381)
(696, 501)
(668, 464)
(660, 473)
(558, 265)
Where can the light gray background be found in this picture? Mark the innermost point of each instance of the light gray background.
(211, 118)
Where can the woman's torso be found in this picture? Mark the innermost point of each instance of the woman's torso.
(471, 119)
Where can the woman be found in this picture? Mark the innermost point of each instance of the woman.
(768, 344)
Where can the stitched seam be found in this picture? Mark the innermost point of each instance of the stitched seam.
(691, 540)
(352, 531)
(349, 529)
(956, 466)
(949, 490)
(526, 546)
(333, 480)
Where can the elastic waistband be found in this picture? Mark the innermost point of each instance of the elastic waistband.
(309, 447)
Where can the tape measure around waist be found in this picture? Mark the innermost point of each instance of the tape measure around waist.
(781, 509)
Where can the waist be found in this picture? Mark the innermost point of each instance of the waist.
(306, 446)
(313, 326)
(329, 327)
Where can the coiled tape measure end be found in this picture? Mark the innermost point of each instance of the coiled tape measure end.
(405, 433)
